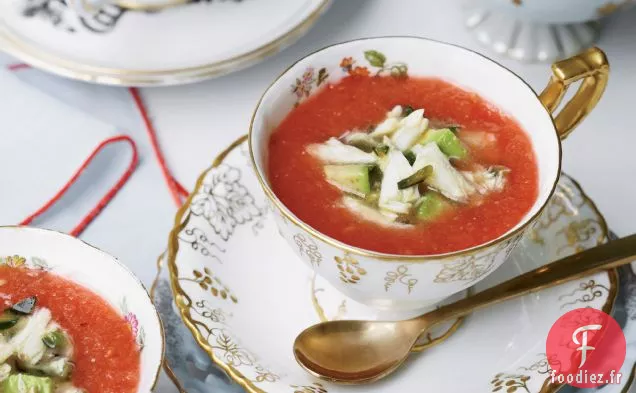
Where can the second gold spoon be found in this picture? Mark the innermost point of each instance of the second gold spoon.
(355, 352)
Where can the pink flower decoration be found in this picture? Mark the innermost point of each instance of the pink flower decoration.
(133, 323)
(308, 76)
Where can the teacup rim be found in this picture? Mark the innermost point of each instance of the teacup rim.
(125, 268)
(389, 257)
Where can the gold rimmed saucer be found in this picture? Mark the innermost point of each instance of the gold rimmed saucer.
(245, 297)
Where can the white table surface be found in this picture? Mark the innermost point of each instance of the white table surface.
(195, 122)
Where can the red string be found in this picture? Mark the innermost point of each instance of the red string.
(105, 199)
(177, 191)
(18, 66)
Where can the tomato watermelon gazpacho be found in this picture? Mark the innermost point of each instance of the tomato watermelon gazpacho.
(409, 166)
(58, 337)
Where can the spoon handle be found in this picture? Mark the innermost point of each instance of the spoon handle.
(607, 256)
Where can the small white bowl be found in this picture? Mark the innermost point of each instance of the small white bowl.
(84, 264)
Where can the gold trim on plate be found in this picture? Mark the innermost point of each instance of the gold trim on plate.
(184, 302)
(85, 6)
(44, 60)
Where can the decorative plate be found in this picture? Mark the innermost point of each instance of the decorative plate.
(245, 296)
(192, 370)
(201, 39)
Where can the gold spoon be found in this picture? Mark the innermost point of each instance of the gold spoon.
(356, 352)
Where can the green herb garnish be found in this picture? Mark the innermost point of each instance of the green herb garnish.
(410, 156)
(407, 110)
(375, 177)
(8, 320)
(416, 178)
(381, 150)
(54, 339)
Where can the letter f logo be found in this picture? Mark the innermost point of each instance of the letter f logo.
(584, 347)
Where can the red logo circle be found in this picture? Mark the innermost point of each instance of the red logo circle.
(586, 349)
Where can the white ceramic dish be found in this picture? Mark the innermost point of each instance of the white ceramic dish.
(120, 46)
(361, 274)
(245, 297)
(103, 274)
(538, 30)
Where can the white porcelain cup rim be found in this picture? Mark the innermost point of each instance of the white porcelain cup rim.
(519, 86)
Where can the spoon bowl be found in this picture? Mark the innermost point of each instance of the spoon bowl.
(327, 349)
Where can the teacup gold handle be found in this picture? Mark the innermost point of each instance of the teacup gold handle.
(591, 66)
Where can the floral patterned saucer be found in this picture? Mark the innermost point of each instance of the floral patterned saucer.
(245, 297)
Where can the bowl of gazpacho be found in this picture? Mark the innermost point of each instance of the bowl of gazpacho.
(73, 319)
(412, 160)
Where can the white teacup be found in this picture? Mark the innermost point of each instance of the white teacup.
(429, 278)
(84, 7)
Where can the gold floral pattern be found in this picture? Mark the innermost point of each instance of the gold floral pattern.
(315, 387)
(308, 248)
(215, 315)
(541, 366)
(342, 308)
(510, 383)
(402, 276)
(350, 269)
(235, 355)
(566, 201)
(264, 375)
(585, 293)
(474, 266)
(578, 233)
(207, 281)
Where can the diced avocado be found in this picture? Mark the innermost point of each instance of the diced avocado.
(8, 320)
(20, 383)
(353, 179)
(5, 371)
(431, 205)
(447, 141)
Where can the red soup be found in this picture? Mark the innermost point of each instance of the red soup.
(88, 344)
(403, 165)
